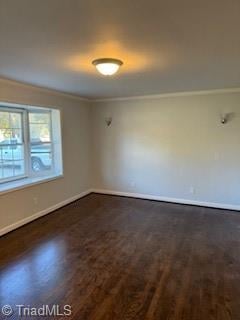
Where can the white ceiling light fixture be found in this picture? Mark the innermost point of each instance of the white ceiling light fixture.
(107, 66)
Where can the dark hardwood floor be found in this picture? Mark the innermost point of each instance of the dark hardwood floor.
(120, 258)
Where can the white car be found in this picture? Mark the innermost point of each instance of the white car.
(41, 155)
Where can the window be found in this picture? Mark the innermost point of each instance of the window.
(12, 148)
(30, 143)
(40, 141)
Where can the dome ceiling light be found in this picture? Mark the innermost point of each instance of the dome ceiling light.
(107, 66)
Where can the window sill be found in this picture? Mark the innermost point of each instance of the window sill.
(25, 183)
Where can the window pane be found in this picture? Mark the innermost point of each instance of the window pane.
(10, 169)
(41, 157)
(15, 120)
(11, 152)
(4, 120)
(11, 145)
(40, 139)
(10, 136)
(17, 152)
(40, 127)
(39, 117)
(19, 168)
(6, 170)
(45, 142)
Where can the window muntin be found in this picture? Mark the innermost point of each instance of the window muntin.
(30, 141)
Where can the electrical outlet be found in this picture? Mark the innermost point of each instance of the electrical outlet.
(35, 200)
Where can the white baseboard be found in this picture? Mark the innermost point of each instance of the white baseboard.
(42, 213)
(117, 193)
(166, 199)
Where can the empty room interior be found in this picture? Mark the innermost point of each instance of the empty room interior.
(120, 159)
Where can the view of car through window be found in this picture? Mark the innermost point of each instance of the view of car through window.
(40, 140)
(41, 156)
(11, 145)
(17, 157)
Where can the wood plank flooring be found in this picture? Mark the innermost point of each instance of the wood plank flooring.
(125, 259)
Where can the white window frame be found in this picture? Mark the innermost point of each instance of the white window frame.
(30, 178)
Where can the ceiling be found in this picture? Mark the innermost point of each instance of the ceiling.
(166, 46)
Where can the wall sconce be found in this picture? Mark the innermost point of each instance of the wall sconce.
(108, 121)
(224, 118)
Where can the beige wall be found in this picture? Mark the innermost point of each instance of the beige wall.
(20, 204)
(172, 147)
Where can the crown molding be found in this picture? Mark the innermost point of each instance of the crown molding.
(43, 89)
(140, 97)
(170, 95)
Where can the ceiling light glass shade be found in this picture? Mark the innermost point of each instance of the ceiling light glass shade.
(107, 66)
